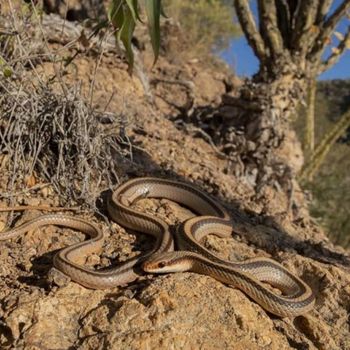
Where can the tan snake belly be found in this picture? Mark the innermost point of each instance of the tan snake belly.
(297, 297)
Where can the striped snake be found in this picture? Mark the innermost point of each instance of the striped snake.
(295, 298)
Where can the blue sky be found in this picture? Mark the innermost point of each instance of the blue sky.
(241, 58)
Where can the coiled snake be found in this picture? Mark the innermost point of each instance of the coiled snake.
(296, 298)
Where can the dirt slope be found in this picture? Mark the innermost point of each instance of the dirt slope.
(179, 311)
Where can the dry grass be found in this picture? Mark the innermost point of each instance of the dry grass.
(49, 134)
(61, 140)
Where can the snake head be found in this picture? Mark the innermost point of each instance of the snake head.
(167, 262)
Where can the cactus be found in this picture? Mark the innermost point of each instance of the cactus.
(309, 141)
(323, 148)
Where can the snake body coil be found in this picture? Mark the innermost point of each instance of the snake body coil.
(297, 297)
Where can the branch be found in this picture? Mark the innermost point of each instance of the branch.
(323, 148)
(37, 207)
(329, 26)
(284, 20)
(293, 9)
(323, 9)
(269, 28)
(340, 12)
(304, 20)
(9, 33)
(248, 25)
(337, 52)
(310, 118)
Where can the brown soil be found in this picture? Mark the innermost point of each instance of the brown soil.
(178, 311)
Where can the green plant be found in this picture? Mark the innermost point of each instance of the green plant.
(330, 195)
(124, 14)
(318, 156)
(309, 138)
(330, 204)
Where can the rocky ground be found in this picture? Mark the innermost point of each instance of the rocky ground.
(178, 311)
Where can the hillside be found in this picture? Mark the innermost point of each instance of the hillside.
(72, 132)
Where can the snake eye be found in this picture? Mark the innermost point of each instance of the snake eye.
(161, 264)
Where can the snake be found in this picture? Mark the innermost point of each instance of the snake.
(295, 297)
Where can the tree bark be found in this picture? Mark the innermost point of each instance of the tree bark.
(289, 43)
(249, 28)
(266, 105)
(310, 119)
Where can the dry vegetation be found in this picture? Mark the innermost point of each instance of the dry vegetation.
(58, 138)
(47, 131)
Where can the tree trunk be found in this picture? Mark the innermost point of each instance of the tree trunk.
(289, 39)
(268, 101)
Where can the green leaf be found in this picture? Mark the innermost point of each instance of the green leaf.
(136, 7)
(133, 6)
(125, 35)
(153, 8)
(162, 12)
(115, 13)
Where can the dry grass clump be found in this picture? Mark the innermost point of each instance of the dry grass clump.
(59, 138)
(50, 135)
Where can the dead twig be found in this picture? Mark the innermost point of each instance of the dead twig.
(38, 207)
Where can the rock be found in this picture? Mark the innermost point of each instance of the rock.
(176, 311)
